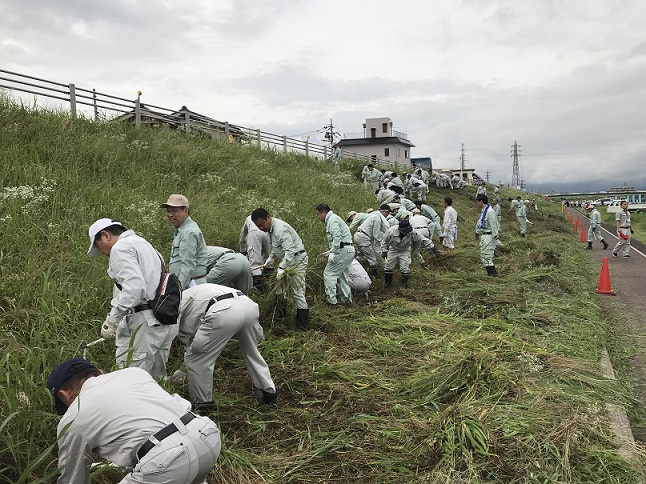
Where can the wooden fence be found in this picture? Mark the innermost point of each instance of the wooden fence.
(97, 105)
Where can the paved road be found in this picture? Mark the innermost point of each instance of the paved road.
(627, 278)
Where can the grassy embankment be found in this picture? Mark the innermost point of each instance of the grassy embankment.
(460, 378)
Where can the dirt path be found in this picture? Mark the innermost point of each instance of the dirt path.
(628, 278)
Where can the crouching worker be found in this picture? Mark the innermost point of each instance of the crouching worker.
(126, 418)
(210, 315)
(396, 249)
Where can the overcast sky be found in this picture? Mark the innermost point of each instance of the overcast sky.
(566, 79)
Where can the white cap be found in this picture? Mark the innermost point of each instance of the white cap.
(95, 228)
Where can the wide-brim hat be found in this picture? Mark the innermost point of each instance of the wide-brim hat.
(175, 201)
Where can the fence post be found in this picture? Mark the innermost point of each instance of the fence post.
(72, 99)
(137, 112)
(96, 109)
(285, 144)
(187, 120)
(226, 131)
(325, 152)
(307, 147)
(258, 138)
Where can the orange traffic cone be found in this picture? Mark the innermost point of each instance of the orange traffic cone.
(583, 236)
(604, 280)
(576, 226)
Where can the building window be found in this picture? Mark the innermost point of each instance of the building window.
(384, 127)
(405, 153)
(373, 132)
(386, 151)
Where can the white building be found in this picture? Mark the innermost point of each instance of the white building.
(381, 143)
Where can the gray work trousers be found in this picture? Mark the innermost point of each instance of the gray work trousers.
(186, 456)
(224, 320)
(150, 346)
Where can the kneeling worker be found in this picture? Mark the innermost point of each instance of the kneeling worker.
(210, 315)
(127, 418)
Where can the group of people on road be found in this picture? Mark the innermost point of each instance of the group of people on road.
(623, 226)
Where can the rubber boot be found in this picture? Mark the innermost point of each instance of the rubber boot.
(259, 283)
(302, 319)
(605, 244)
(374, 273)
(491, 271)
(436, 252)
(588, 247)
(281, 309)
(388, 279)
(405, 280)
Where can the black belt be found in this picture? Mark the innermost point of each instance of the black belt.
(162, 434)
(223, 253)
(345, 244)
(141, 307)
(363, 233)
(222, 297)
(486, 233)
(624, 227)
(300, 252)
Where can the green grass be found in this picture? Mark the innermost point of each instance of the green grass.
(460, 378)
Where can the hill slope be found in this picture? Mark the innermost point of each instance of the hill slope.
(460, 378)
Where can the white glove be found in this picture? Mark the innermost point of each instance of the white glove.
(268, 261)
(109, 327)
(330, 258)
(280, 273)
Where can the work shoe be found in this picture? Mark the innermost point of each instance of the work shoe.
(266, 398)
(605, 244)
(626, 256)
(614, 254)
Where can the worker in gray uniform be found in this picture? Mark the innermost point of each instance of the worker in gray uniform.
(340, 256)
(396, 250)
(521, 216)
(287, 246)
(136, 268)
(225, 266)
(430, 212)
(424, 226)
(355, 219)
(255, 244)
(369, 235)
(404, 202)
(126, 418)
(188, 252)
(624, 230)
(495, 206)
(487, 230)
(210, 315)
(594, 230)
(373, 177)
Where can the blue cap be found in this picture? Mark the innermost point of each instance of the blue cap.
(61, 375)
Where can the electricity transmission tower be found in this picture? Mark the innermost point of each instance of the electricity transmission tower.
(515, 173)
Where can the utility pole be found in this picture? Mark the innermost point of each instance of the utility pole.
(487, 176)
(330, 133)
(462, 161)
(515, 173)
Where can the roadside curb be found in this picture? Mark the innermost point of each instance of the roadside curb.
(619, 424)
